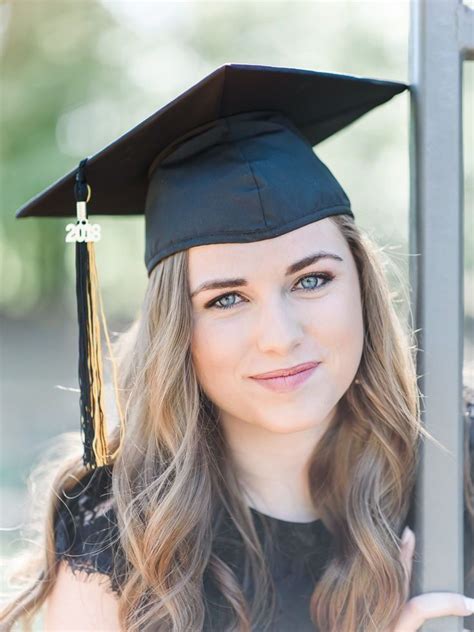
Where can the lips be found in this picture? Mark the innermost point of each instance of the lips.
(286, 372)
(288, 383)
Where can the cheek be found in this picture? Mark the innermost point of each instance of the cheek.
(337, 326)
(216, 349)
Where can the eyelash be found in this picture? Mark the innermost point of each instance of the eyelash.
(324, 275)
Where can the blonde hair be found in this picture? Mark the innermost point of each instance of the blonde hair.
(174, 473)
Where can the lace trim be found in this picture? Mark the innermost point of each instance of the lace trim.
(86, 533)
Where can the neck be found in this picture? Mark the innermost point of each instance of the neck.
(272, 468)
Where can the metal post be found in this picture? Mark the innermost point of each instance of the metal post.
(441, 37)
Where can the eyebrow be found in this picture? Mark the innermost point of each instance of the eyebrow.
(219, 284)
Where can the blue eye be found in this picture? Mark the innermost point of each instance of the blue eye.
(323, 275)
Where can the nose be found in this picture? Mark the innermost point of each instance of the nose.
(279, 326)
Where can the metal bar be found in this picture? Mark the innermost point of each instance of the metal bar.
(438, 34)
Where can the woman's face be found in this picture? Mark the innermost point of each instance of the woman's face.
(271, 317)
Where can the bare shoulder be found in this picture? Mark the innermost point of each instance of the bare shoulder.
(81, 601)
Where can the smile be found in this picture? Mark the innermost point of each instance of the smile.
(287, 383)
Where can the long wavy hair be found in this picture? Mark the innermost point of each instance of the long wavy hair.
(174, 470)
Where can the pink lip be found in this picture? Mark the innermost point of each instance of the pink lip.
(285, 372)
(286, 383)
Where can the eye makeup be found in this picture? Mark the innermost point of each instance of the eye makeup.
(326, 276)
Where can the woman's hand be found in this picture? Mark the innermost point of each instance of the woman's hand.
(428, 606)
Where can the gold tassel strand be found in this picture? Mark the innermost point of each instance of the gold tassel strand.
(99, 434)
(112, 456)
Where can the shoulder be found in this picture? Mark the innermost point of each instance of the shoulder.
(85, 526)
(81, 602)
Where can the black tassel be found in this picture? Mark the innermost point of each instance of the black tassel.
(82, 290)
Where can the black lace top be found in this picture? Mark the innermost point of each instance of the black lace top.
(87, 538)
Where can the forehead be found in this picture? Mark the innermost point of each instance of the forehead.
(277, 251)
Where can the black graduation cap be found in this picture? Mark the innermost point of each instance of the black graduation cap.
(231, 159)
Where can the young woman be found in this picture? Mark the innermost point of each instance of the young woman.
(240, 499)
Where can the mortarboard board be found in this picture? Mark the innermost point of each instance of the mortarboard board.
(231, 159)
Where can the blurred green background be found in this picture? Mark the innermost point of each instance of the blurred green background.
(75, 75)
